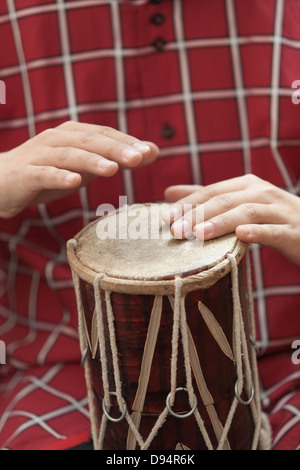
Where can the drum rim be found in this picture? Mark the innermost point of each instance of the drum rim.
(202, 280)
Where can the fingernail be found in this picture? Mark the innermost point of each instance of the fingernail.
(128, 154)
(104, 164)
(70, 177)
(203, 230)
(247, 230)
(172, 214)
(182, 229)
(141, 147)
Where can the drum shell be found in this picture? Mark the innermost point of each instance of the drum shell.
(132, 314)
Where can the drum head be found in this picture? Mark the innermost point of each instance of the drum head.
(134, 243)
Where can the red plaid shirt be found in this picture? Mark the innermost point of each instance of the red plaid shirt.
(210, 83)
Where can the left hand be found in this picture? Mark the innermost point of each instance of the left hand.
(256, 210)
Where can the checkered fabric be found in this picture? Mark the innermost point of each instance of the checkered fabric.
(209, 81)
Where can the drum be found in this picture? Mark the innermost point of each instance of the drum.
(167, 336)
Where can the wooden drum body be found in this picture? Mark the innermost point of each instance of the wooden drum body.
(167, 338)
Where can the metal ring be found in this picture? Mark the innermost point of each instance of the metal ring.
(242, 402)
(181, 414)
(114, 420)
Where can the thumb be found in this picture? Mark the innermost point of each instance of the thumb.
(269, 235)
(282, 238)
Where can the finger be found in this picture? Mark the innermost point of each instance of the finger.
(280, 237)
(151, 157)
(104, 131)
(175, 193)
(149, 150)
(47, 177)
(205, 193)
(268, 235)
(243, 215)
(76, 160)
(120, 152)
(225, 202)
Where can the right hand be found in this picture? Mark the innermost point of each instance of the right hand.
(58, 161)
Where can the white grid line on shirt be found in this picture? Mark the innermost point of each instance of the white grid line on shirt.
(145, 50)
(121, 90)
(70, 87)
(23, 67)
(187, 97)
(275, 83)
(239, 84)
(43, 384)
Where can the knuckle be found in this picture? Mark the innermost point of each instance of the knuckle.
(251, 211)
(114, 147)
(62, 153)
(86, 138)
(252, 179)
(47, 133)
(105, 131)
(271, 192)
(68, 125)
(276, 234)
(209, 192)
(198, 215)
(225, 201)
(37, 176)
(41, 172)
(221, 221)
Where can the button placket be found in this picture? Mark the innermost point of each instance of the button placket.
(158, 19)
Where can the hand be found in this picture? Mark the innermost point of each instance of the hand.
(256, 210)
(58, 161)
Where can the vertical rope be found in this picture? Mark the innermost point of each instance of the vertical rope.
(240, 350)
(237, 313)
(103, 358)
(175, 338)
(188, 372)
(262, 437)
(146, 366)
(83, 343)
(174, 355)
(243, 353)
(114, 350)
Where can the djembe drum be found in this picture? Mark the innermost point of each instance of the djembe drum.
(167, 336)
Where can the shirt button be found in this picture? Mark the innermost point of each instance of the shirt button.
(168, 132)
(159, 44)
(158, 19)
(156, 2)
